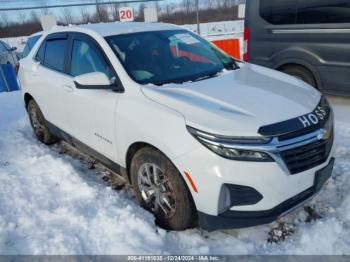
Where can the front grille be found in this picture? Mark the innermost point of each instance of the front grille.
(308, 156)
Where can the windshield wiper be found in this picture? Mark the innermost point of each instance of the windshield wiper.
(160, 83)
(211, 75)
(232, 65)
(207, 76)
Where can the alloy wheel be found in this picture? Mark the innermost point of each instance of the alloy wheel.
(156, 189)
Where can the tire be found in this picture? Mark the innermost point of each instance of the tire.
(39, 124)
(301, 73)
(171, 202)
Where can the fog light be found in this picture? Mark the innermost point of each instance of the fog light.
(237, 195)
(224, 199)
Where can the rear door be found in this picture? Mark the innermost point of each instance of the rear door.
(49, 79)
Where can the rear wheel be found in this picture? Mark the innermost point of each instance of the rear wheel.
(160, 189)
(300, 72)
(39, 124)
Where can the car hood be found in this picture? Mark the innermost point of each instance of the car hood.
(239, 102)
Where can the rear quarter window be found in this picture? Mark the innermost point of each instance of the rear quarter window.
(41, 53)
(30, 44)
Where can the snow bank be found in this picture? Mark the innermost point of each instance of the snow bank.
(218, 28)
(51, 203)
(18, 42)
(11, 108)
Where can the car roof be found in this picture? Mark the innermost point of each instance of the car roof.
(116, 28)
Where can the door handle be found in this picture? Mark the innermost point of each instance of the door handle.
(68, 88)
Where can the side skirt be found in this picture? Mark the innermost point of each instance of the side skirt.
(116, 168)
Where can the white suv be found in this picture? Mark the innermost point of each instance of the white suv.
(203, 139)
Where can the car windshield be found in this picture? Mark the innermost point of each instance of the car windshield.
(173, 56)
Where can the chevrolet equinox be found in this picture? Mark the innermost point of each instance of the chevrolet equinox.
(202, 138)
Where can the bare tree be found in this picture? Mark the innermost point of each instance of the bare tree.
(158, 8)
(45, 10)
(210, 4)
(115, 11)
(140, 13)
(67, 15)
(84, 16)
(33, 17)
(101, 14)
(188, 5)
(4, 19)
(168, 9)
(22, 17)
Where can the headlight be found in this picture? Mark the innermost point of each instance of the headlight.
(233, 147)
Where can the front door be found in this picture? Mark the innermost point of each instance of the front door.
(92, 112)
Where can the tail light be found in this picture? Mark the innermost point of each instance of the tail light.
(246, 43)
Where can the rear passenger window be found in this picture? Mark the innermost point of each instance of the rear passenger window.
(322, 12)
(55, 53)
(87, 59)
(279, 12)
(41, 53)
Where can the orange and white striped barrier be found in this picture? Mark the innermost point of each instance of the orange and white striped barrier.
(231, 46)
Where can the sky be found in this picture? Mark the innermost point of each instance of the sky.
(19, 16)
(20, 3)
(15, 15)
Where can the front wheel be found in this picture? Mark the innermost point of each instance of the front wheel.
(160, 189)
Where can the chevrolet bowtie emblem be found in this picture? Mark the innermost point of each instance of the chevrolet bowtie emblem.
(324, 134)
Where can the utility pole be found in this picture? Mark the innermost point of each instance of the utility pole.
(197, 13)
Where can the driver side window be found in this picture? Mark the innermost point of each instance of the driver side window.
(87, 59)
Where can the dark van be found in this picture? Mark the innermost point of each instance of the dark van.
(309, 39)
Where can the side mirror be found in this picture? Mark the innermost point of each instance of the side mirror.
(94, 80)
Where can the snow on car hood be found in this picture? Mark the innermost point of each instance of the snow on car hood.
(238, 102)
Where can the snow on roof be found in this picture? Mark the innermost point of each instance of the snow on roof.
(115, 28)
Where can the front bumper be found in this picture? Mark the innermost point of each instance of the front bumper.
(239, 219)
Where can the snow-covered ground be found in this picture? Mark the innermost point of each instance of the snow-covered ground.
(18, 42)
(219, 30)
(52, 203)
